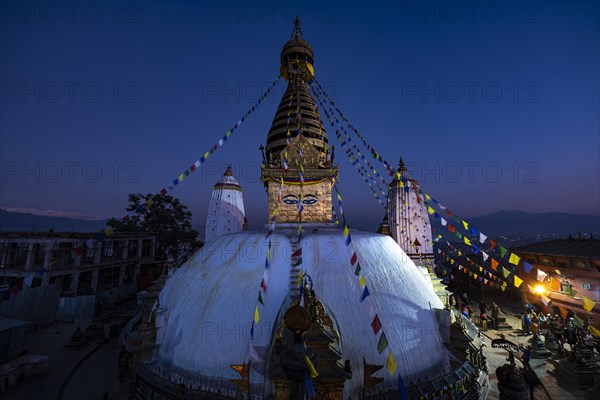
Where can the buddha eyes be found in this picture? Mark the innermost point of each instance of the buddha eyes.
(292, 199)
(309, 199)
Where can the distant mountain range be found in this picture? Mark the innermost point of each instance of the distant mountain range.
(14, 221)
(524, 223)
(499, 223)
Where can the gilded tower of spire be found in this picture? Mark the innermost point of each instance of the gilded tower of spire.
(297, 151)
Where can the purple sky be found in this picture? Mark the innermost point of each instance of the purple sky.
(493, 106)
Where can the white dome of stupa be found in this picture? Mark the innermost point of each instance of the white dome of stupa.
(208, 308)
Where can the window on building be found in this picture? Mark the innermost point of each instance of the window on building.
(544, 260)
(107, 248)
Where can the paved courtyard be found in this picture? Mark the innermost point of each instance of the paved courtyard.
(91, 371)
(543, 369)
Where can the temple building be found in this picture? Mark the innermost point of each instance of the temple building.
(226, 209)
(315, 330)
(409, 220)
(569, 272)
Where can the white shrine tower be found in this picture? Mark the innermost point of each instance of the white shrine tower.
(409, 220)
(226, 210)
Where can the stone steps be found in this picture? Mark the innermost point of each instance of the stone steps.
(503, 325)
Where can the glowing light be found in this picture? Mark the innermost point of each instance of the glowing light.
(539, 289)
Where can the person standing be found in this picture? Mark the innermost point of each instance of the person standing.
(465, 311)
(483, 308)
(527, 323)
(535, 324)
(483, 318)
(495, 315)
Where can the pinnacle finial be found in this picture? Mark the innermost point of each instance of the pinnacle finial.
(297, 32)
(401, 165)
(228, 171)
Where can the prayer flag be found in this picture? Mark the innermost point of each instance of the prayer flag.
(545, 300)
(563, 312)
(402, 388)
(390, 363)
(494, 264)
(514, 259)
(594, 331)
(370, 309)
(256, 316)
(430, 210)
(311, 368)
(485, 255)
(505, 272)
(444, 222)
(365, 294)
(466, 225)
(482, 237)
(300, 277)
(310, 390)
(518, 281)
(588, 304)
(492, 244)
(541, 275)
(376, 324)
(467, 241)
(263, 285)
(503, 251)
(357, 270)
(554, 284)
(527, 267)
(353, 259)
(362, 282)
(383, 343)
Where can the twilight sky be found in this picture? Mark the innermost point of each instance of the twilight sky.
(494, 106)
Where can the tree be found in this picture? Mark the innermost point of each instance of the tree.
(165, 215)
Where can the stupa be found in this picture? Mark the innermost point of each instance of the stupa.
(409, 219)
(316, 323)
(226, 209)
